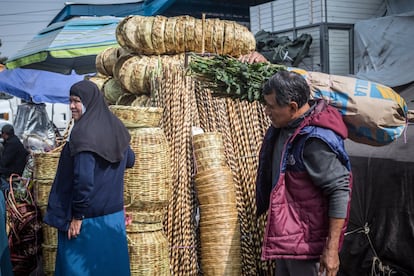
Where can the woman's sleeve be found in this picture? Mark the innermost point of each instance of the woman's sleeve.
(83, 184)
(130, 158)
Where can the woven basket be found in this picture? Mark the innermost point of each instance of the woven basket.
(50, 235)
(156, 216)
(227, 269)
(148, 183)
(49, 258)
(224, 186)
(207, 164)
(138, 116)
(211, 221)
(148, 253)
(221, 237)
(209, 152)
(218, 208)
(208, 214)
(139, 227)
(45, 165)
(41, 189)
(221, 260)
(214, 177)
(208, 139)
(216, 196)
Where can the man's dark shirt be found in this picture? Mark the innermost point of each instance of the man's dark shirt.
(14, 157)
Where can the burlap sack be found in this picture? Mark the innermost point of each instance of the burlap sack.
(375, 114)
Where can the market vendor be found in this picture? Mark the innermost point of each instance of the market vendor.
(14, 157)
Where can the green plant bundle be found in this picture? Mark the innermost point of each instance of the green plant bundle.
(228, 77)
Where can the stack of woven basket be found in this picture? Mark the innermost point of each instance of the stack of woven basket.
(219, 225)
(147, 190)
(45, 165)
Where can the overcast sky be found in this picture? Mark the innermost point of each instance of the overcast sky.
(21, 20)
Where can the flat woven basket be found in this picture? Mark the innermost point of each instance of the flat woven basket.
(138, 116)
(149, 253)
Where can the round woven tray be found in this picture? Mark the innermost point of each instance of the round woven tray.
(138, 116)
(45, 165)
(148, 253)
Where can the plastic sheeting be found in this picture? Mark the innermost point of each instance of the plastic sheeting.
(383, 49)
(33, 126)
(380, 235)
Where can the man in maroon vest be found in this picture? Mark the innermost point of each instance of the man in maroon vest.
(304, 179)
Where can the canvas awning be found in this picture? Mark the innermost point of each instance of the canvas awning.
(69, 45)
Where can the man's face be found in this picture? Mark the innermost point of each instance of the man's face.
(280, 116)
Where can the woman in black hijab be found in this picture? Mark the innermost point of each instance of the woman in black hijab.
(86, 200)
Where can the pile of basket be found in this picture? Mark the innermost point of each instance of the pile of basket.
(147, 190)
(45, 165)
(219, 224)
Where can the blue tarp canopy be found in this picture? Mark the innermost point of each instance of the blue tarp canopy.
(38, 86)
(66, 46)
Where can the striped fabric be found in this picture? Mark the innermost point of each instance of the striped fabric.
(77, 37)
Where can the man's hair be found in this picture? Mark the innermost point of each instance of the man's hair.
(8, 129)
(287, 86)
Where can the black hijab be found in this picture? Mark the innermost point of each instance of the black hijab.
(98, 130)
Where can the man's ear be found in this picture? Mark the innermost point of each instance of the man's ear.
(293, 107)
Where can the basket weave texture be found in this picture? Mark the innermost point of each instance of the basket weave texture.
(50, 235)
(148, 181)
(148, 253)
(49, 257)
(41, 189)
(219, 223)
(145, 216)
(138, 116)
(45, 165)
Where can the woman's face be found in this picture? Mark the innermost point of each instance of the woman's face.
(75, 107)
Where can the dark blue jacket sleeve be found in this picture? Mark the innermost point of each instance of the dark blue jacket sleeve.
(83, 184)
(130, 158)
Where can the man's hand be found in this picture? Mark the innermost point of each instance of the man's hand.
(253, 57)
(74, 228)
(329, 262)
